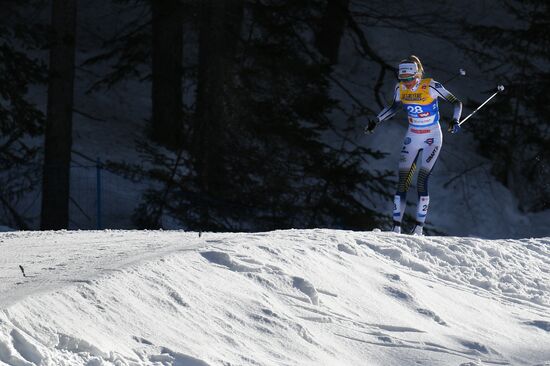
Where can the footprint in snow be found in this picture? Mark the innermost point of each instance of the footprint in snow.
(542, 324)
(431, 314)
(393, 277)
(142, 340)
(225, 260)
(170, 357)
(478, 348)
(405, 296)
(307, 288)
(274, 251)
(266, 319)
(347, 249)
(176, 297)
(246, 259)
(398, 294)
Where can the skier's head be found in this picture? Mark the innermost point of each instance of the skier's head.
(410, 69)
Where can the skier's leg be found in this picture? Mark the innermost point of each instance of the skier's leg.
(407, 166)
(430, 154)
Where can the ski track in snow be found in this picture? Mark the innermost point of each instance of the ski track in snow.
(294, 297)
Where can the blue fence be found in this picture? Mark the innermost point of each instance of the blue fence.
(101, 199)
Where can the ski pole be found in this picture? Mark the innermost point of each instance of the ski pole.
(499, 89)
(461, 72)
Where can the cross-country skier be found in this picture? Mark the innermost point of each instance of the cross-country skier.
(418, 96)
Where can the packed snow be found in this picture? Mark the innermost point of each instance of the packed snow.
(293, 297)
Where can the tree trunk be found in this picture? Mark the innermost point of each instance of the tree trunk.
(58, 136)
(331, 29)
(167, 126)
(220, 22)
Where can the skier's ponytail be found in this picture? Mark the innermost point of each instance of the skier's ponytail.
(416, 60)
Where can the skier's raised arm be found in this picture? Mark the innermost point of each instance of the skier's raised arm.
(438, 91)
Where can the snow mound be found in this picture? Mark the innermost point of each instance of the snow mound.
(295, 297)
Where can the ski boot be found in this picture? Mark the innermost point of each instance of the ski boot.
(396, 227)
(417, 230)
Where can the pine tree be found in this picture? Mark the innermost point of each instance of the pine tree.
(20, 119)
(167, 65)
(331, 29)
(515, 131)
(126, 54)
(149, 48)
(219, 32)
(58, 137)
(262, 151)
(273, 149)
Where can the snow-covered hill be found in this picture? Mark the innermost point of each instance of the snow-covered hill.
(312, 297)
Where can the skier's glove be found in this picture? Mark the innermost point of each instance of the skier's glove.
(453, 126)
(369, 129)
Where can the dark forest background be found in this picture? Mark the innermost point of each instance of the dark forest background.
(251, 126)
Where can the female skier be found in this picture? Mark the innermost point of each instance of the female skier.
(418, 96)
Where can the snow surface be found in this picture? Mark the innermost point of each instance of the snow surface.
(294, 297)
